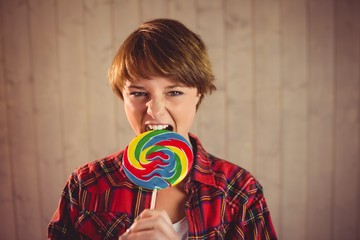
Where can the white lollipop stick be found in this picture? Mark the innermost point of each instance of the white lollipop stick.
(153, 199)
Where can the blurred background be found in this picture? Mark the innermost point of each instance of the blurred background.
(286, 109)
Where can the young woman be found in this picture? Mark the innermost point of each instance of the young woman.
(162, 72)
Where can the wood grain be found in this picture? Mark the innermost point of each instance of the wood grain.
(73, 84)
(7, 206)
(98, 54)
(49, 139)
(153, 9)
(268, 162)
(294, 119)
(126, 18)
(19, 88)
(211, 115)
(347, 121)
(239, 75)
(321, 120)
(286, 108)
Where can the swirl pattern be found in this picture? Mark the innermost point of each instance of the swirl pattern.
(157, 159)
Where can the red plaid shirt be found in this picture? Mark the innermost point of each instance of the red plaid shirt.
(224, 201)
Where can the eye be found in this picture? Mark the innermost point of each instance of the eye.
(175, 93)
(138, 94)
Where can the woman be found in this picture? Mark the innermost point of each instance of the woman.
(162, 72)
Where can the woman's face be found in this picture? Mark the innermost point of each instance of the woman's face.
(159, 103)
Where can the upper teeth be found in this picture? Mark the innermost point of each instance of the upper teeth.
(157, 127)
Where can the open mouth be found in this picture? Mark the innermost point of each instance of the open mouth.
(158, 127)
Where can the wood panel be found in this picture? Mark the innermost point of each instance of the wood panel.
(43, 45)
(268, 103)
(347, 121)
(184, 11)
(294, 119)
(287, 105)
(7, 206)
(153, 9)
(21, 120)
(212, 115)
(239, 82)
(98, 54)
(73, 84)
(321, 119)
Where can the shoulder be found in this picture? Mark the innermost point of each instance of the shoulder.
(239, 185)
(245, 201)
(100, 166)
(100, 174)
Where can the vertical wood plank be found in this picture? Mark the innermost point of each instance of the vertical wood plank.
(212, 126)
(244, 45)
(98, 55)
(7, 207)
(153, 9)
(347, 153)
(321, 119)
(268, 103)
(358, 176)
(294, 119)
(126, 18)
(239, 82)
(73, 84)
(21, 120)
(185, 12)
(47, 104)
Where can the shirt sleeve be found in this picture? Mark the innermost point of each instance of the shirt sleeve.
(256, 222)
(62, 225)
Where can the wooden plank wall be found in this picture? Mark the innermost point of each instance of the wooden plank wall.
(287, 106)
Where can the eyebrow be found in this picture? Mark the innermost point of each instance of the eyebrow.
(173, 86)
(143, 88)
(136, 87)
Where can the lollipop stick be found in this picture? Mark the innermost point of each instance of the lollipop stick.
(153, 199)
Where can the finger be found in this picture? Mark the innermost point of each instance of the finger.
(149, 222)
(155, 213)
(153, 222)
(146, 235)
(125, 235)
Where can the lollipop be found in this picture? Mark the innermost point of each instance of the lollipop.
(157, 159)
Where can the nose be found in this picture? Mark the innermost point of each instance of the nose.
(155, 107)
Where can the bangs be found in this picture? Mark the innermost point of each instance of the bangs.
(144, 60)
(151, 54)
(163, 48)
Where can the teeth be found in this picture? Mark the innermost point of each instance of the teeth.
(156, 127)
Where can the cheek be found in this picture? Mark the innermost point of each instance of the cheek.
(185, 113)
(131, 110)
(128, 108)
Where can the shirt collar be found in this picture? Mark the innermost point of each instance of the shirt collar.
(202, 170)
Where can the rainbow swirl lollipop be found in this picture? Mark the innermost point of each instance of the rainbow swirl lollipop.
(157, 159)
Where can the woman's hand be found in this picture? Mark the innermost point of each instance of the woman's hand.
(151, 224)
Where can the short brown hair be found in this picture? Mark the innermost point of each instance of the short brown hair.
(163, 48)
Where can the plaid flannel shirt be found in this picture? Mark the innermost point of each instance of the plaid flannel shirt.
(224, 201)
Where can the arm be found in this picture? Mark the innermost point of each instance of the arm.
(61, 225)
(256, 221)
